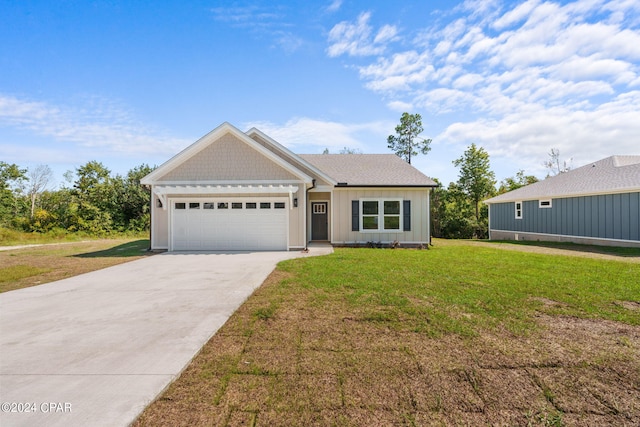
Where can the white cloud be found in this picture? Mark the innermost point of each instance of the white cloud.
(385, 34)
(97, 123)
(399, 73)
(303, 134)
(516, 15)
(245, 16)
(522, 78)
(334, 6)
(271, 22)
(444, 100)
(584, 135)
(355, 39)
(400, 106)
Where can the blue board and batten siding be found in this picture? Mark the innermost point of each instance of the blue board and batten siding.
(608, 216)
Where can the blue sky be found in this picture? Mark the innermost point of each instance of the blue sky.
(131, 82)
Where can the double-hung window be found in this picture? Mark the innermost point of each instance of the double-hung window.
(381, 215)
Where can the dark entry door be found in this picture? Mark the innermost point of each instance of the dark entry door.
(319, 221)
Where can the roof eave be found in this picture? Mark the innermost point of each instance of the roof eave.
(387, 186)
(562, 196)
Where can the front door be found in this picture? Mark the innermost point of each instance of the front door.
(319, 221)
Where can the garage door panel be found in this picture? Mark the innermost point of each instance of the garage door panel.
(229, 229)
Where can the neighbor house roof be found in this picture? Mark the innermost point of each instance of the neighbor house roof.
(369, 170)
(615, 174)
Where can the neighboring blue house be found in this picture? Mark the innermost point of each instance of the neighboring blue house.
(595, 204)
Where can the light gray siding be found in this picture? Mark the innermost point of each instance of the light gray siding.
(342, 232)
(606, 216)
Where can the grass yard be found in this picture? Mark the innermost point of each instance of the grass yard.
(461, 334)
(21, 268)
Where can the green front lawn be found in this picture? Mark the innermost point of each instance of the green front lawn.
(460, 288)
(456, 335)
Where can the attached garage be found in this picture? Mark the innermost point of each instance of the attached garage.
(229, 224)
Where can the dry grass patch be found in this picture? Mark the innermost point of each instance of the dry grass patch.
(320, 348)
(22, 268)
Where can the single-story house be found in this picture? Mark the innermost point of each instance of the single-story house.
(234, 190)
(598, 203)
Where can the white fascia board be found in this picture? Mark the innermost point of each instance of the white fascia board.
(223, 189)
(208, 139)
(321, 189)
(233, 182)
(563, 196)
(275, 144)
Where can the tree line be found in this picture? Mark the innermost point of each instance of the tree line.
(92, 200)
(458, 211)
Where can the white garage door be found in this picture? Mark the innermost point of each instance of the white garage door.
(229, 224)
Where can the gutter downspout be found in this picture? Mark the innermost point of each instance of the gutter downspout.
(306, 228)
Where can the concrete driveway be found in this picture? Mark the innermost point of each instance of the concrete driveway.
(97, 348)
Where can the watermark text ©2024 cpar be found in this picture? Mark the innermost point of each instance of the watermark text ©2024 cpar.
(32, 407)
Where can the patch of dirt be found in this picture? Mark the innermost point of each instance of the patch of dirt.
(548, 302)
(629, 305)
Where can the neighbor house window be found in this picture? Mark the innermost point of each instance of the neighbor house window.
(381, 215)
(544, 203)
(518, 210)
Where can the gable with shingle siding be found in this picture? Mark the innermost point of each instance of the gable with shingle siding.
(228, 158)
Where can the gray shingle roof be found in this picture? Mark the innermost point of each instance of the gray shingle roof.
(614, 174)
(369, 169)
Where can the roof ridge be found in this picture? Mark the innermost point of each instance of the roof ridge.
(626, 160)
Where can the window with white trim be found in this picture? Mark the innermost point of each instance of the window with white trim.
(544, 203)
(381, 215)
(518, 208)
